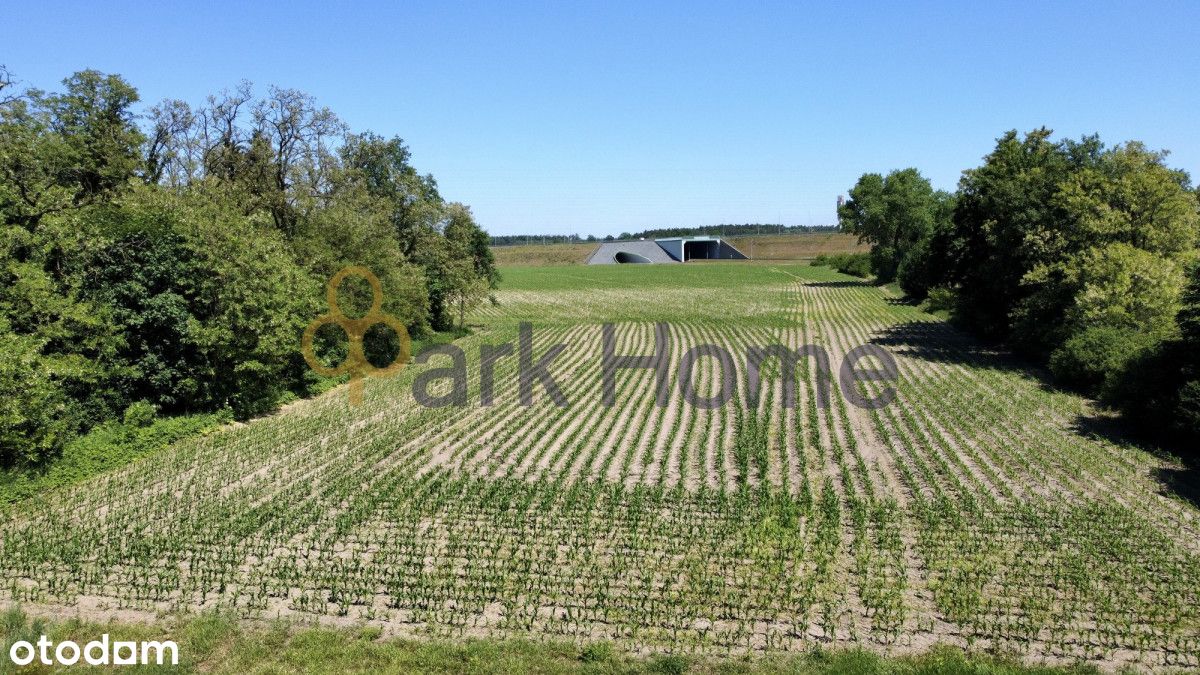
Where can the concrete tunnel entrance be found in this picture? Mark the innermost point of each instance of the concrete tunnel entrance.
(627, 257)
(701, 250)
(665, 250)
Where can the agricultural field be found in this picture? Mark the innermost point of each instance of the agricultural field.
(980, 509)
(524, 255)
(804, 246)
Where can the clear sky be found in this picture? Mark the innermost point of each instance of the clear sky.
(574, 117)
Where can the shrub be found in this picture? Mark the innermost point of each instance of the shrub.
(1159, 393)
(1146, 391)
(597, 652)
(105, 447)
(32, 424)
(140, 414)
(669, 664)
(1088, 359)
(883, 262)
(1187, 411)
(916, 273)
(941, 299)
(854, 264)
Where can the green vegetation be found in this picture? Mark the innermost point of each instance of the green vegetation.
(215, 644)
(897, 215)
(854, 264)
(1159, 388)
(139, 434)
(107, 446)
(158, 272)
(175, 257)
(1076, 255)
(947, 517)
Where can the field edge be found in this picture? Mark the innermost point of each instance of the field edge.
(217, 643)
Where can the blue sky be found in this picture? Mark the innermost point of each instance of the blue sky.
(601, 117)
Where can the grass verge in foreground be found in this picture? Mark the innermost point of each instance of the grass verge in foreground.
(211, 643)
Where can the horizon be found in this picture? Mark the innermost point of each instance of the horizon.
(697, 231)
(607, 119)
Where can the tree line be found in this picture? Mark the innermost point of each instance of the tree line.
(726, 230)
(169, 259)
(1080, 256)
(719, 230)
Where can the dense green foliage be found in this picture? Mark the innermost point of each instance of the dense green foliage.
(1076, 254)
(1160, 387)
(175, 256)
(896, 215)
(855, 264)
(107, 446)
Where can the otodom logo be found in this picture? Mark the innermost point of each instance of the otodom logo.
(100, 652)
(356, 363)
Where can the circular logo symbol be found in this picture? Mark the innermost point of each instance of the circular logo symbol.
(356, 363)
